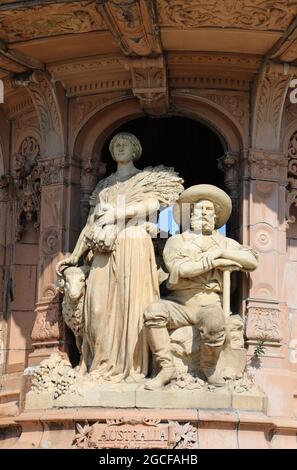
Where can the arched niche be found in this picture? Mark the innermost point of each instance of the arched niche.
(94, 132)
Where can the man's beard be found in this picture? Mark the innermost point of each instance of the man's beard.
(201, 226)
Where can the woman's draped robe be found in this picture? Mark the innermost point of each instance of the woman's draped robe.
(123, 282)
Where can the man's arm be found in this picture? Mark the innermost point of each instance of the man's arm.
(243, 255)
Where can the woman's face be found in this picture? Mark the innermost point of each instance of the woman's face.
(122, 150)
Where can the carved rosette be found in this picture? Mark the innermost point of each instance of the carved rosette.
(264, 322)
(292, 178)
(137, 433)
(26, 175)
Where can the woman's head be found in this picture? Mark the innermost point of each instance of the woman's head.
(125, 147)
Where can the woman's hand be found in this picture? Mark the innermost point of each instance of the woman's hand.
(107, 218)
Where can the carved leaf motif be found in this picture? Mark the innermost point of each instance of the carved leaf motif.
(186, 436)
(292, 178)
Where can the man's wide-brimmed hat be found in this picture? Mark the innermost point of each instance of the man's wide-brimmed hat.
(200, 192)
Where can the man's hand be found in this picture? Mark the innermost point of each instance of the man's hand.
(226, 265)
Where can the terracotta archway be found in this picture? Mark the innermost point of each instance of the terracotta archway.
(92, 135)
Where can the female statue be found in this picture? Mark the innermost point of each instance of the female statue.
(123, 278)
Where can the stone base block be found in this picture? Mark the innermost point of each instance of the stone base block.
(135, 396)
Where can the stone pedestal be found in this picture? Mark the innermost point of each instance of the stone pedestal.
(103, 428)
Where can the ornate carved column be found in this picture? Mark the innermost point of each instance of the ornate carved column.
(48, 330)
(50, 105)
(265, 230)
(229, 165)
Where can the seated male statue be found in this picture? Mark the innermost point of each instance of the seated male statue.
(195, 260)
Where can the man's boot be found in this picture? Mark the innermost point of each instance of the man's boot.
(159, 342)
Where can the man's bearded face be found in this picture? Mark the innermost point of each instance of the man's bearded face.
(203, 217)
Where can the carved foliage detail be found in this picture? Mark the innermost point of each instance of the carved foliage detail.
(268, 112)
(26, 175)
(50, 20)
(292, 177)
(43, 95)
(136, 433)
(247, 14)
(264, 322)
(149, 83)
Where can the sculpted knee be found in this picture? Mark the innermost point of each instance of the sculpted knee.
(156, 315)
(212, 326)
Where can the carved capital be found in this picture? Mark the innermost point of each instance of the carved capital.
(265, 165)
(54, 171)
(133, 25)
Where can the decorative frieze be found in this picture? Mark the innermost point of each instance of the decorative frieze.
(261, 15)
(22, 24)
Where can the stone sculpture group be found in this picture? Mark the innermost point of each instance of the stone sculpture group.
(125, 331)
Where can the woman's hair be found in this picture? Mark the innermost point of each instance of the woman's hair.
(137, 149)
